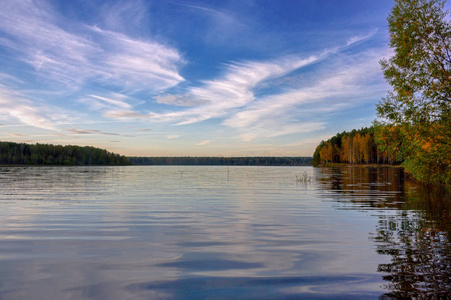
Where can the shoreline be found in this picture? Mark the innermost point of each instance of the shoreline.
(341, 165)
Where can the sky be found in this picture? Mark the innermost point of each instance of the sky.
(190, 78)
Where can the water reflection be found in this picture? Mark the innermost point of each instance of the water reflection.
(158, 233)
(417, 239)
(214, 232)
(415, 236)
(364, 187)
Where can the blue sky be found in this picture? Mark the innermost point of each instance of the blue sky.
(214, 78)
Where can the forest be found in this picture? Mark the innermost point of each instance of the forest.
(364, 146)
(46, 154)
(426, 159)
(223, 161)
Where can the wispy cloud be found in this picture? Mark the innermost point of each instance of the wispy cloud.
(222, 25)
(15, 105)
(344, 82)
(179, 100)
(360, 38)
(78, 55)
(9, 78)
(16, 134)
(112, 102)
(116, 14)
(203, 143)
(113, 106)
(33, 30)
(88, 131)
(233, 96)
(234, 90)
(137, 64)
(347, 84)
(124, 114)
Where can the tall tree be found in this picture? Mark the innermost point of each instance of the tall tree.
(346, 146)
(420, 75)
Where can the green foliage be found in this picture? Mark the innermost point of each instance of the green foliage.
(419, 107)
(316, 161)
(45, 154)
(389, 139)
(419, 72)
(223, 161)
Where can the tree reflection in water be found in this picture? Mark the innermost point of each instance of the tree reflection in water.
(414, 226)
(417, 238)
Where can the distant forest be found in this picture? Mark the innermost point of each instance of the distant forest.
(46, 154)
(364, 146)
(223, 161)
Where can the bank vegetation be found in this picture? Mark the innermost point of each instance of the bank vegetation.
(46, 154)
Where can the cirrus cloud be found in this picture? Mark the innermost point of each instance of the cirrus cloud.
(36, 31)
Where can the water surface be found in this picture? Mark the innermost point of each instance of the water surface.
(180, 232)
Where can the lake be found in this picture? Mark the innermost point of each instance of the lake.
(217, 232)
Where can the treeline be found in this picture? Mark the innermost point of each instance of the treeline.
(46, 154)
(414, 125)
(222, 161)
(426, 157)
(364, 146)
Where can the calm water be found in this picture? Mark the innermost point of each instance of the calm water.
(219, 233)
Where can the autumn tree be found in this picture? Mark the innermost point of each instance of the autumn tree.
(355, 147)
(419, 106)
(326, 153)
(366, 146)
(346, 149)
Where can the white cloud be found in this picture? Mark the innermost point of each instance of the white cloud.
(16, 134)
(234, 90)
(112, 102)
(203, 143)
(15, 105)
(9, 78)
(222, 26)
(346, 84)
(124, 114)
(90, 54)
(88, 131)
(123, 15)
(360, 38)
(137, 64)
(179, 100)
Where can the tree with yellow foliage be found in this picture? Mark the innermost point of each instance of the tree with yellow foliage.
(419, 107)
